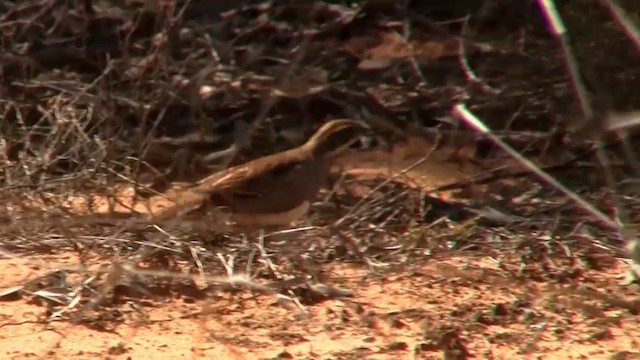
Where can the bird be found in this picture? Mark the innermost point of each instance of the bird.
(274, 190)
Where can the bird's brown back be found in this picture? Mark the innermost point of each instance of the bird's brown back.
(267, 186)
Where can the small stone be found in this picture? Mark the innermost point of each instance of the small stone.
(398, 345)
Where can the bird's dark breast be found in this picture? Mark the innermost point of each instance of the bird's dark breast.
(286, 188)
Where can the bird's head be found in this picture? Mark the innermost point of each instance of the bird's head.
(335, 137)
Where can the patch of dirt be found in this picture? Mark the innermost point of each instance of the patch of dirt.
(459, 305)
(446, 306)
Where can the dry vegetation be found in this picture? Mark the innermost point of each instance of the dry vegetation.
(466, 251)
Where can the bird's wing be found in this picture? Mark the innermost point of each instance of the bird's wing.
(224, 180)
(252, 181)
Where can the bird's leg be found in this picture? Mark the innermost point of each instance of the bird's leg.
(248, 238)
(333, 180)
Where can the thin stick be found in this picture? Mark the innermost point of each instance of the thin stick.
(463, 113)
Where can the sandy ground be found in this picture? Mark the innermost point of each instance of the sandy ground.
(452, 308)
(395, 316)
